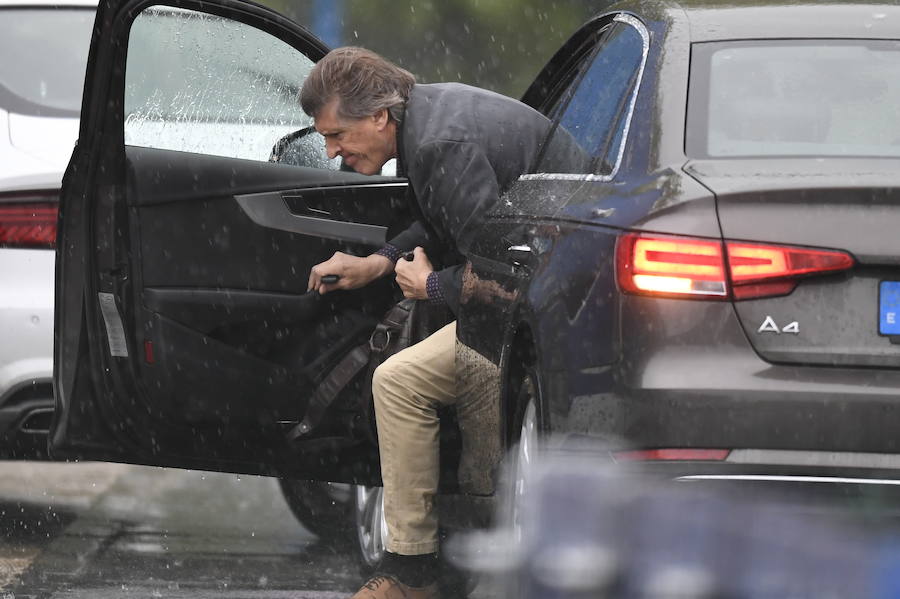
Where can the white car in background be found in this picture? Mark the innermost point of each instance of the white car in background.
(44, 47)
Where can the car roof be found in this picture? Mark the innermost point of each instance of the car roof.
(720, 20)
(48, 3)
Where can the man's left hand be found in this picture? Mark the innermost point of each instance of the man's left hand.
(413, 276)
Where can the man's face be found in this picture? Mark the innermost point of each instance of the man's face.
(365, 144)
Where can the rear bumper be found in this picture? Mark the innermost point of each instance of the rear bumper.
(26, 317)
(687, 377)
(808, 479)
(746, 404)
(26, 348)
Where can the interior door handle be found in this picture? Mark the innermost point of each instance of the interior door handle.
(317, 211)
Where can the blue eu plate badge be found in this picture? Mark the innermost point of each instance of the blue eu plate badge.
(889, 318)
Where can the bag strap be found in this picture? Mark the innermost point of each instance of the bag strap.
(390, 336)
(325, 393)
(352, 364)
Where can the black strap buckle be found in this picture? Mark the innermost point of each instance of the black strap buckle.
(380, 339)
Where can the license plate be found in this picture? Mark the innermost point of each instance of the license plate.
(889, 308)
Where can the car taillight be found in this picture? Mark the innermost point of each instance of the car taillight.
(28, 224)
(671, 266)
(759, 270)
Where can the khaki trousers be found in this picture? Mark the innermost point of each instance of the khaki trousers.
(408, 388)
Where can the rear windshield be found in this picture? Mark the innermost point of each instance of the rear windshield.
(44, 54)
(795, 98)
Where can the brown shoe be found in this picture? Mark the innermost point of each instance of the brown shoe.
(387, 587)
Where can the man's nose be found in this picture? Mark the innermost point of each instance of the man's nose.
(332, 148)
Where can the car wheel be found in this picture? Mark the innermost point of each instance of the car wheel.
(513, 485)
(323, 508)
(371, 527)
(523, 452)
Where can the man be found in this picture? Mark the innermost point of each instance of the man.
(460, 148)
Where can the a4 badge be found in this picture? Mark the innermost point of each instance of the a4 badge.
(769, 326)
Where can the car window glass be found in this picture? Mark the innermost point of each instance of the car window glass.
(50, 47)
(560, 89)
(201, 83)
(795, 98)
(593, 123)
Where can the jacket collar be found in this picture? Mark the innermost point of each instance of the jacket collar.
(401, 162)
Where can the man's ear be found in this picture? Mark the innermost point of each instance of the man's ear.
(381, 119)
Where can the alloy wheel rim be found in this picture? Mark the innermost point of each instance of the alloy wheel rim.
(527, 444)
(371, 527)
(525, 454)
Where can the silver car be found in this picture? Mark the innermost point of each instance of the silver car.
(40, 99)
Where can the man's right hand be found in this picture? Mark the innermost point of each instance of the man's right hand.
(354, 272)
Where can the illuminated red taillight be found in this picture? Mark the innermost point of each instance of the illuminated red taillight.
(644, 455)
(670, 266)
(760, 270)
(28, 224)
(696, 268)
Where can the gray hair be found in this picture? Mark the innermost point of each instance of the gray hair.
(362, 81)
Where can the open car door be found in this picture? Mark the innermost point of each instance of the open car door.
(195, 204)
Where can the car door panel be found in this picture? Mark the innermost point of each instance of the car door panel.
(161, 176)
(185, 333)
(199, 231)
(223, 298)
(206, 309)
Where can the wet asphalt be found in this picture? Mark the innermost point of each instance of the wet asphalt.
(98, 531)
(107, 530)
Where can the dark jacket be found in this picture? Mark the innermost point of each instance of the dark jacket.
(461, 147)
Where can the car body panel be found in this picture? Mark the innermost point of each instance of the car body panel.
(35, 183)
(683, 390)
(35, 151)
(848, 204)
(29, 134)
(27, 309)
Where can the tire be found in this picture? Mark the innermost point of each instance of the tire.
(323, 508)
(351, 514)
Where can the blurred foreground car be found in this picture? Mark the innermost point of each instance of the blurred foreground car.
(629, 536)
(45, 47)
(708, 294)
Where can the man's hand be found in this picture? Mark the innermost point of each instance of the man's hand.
(353, 271)
(413, 276)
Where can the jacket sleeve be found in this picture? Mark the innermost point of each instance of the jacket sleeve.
(456, 185)
(417, 234)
